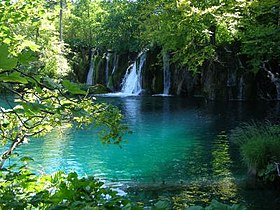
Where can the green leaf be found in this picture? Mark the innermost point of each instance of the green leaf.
(14, 77)
(195, 208)
(26, 57)
(5, 122)
(73, 88)
(32, 45)
(217, 205)
(49, 82)
(163, 204)
(237, 207)
(26, 159)
(127, 207)
(6, 63)
(33, 107)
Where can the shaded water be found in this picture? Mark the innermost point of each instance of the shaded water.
(178, 148)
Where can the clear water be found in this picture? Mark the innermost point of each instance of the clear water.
(177, 149)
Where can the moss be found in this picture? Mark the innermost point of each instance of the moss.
(95, 89)
(98, 89)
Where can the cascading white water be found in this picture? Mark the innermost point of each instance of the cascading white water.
(91, 70)
(240, 88)
(166, 73)
(132, 81)
(115, 63)
(107, 68)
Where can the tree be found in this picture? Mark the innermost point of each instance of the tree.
(259, 34)
(39, 103)
(84, 23)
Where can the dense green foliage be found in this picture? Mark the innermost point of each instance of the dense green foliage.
(260, 38)
(35, 102)
(41, 103)
(192, 31)
(259, 147)
(22, 189)
(29, 29)
(34, 63)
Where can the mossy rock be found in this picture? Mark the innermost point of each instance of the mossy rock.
(98, 89)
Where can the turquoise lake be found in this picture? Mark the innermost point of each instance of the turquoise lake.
(178, 148)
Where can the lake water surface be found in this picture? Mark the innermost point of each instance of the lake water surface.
(178, 148)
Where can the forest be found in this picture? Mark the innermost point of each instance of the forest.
(138, 104)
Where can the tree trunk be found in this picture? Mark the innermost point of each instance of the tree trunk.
(60, 21)
(213, 35)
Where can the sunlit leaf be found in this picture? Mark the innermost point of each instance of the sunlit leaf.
(26, 57)
(73, 88)
(6, 62)
(26, 159)
(29, 44)
(14, 77)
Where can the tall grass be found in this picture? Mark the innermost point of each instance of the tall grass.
(259, 144)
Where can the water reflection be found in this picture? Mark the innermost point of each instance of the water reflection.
(222, 170)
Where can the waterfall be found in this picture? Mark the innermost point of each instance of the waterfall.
(115, 63)
(107, 69)
(132, 81)
(274, 79)
(240, 88)
(231, 83)
(231, 78)
(91, 69)
(166, 73)
(277, 84)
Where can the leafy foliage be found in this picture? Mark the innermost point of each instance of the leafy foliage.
(29, 29)
(22, 189)
(191, 31)
(39, 103)
(260, 33)
(6, 62)
(103, 24)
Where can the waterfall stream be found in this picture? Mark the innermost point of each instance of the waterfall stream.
(115, 63)
(240, 89)
(132, 81)
(107, 68)
(91, 70)
(166, 74)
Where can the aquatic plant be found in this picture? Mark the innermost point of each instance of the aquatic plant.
(259, 147)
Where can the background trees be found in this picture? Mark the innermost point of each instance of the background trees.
(191, 30)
